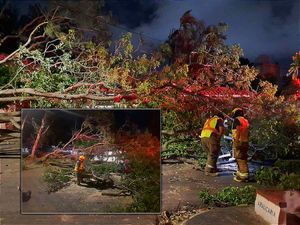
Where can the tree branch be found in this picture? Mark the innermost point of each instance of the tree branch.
(20, 98)
(78, 85)
(56, 95)
(25, 45)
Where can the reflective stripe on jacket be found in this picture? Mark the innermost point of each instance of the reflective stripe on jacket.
(241, 133)
(209, 127)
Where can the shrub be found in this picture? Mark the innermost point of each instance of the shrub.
(56, 178)
(207, 198)
(144, 181)
(289, 181)
(268, 176)
(278, 177)
(283, 135)
(104, 168)
(143, 152)
(230, 196)
(237, 195)
(288, 166)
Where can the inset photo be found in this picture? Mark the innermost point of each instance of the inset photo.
(90, 161)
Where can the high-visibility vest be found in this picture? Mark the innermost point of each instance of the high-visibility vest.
(241, 133)
(209, 127)
(79, 167)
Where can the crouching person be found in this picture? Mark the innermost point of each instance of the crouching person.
(80, 169)
(210, 139)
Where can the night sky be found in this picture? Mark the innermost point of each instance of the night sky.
(268, 27)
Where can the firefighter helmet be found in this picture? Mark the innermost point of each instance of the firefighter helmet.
(237, 111)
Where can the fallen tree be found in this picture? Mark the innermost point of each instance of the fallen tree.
(10, 134)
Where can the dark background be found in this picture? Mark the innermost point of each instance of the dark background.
(63, 122)
(260, 27)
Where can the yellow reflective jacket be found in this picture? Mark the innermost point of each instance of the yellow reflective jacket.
(209, 127)
(241, 133)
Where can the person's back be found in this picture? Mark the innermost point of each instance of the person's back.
(212, 126)
(240, 135)
(211, 134)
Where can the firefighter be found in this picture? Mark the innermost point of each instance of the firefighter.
(80, 169)
(240, 136)
(211, 134)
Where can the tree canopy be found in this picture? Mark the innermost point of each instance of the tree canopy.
(192, 75)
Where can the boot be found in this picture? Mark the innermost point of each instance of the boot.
(240, 177)
(209, 171)
(211, 166)
(212, 174)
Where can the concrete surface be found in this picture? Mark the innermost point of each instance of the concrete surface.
(227, 216)
(10, 206)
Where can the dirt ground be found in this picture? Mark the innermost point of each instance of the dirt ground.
(180, 186)
(72, 198)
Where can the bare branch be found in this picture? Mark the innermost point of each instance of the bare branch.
(25, 45)
(74, 137)
(27, 26)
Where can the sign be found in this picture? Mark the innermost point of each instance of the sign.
(267, 210)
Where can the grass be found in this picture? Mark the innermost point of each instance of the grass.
(230, 196)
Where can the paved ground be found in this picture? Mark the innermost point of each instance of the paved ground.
(72, 198)
(10, 206)
(181, 183)
(228, 216)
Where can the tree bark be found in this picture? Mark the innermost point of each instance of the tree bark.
(56, 95)
(38, 137)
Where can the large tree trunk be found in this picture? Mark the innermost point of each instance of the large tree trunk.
(38, 137)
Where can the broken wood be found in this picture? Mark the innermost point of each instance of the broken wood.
(12, 118)
(55, 153)
(118, 193)
(4, 118)
(9, 137)
(9, 141)
(61, 164)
